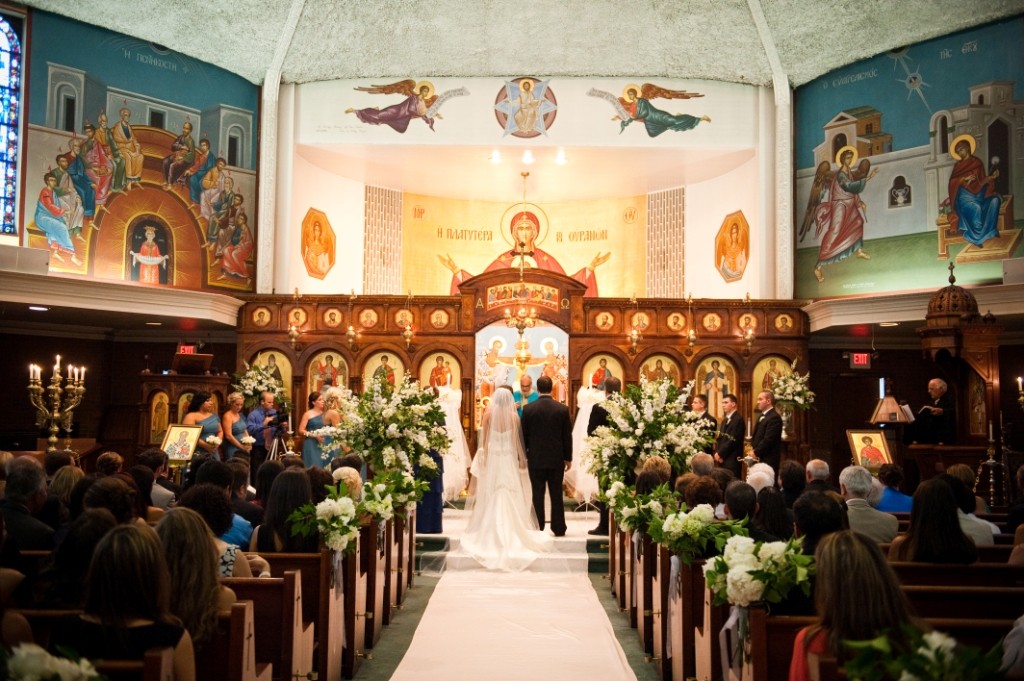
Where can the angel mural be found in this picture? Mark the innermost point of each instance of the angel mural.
(420, 102)
(835, 208)
(635, 105)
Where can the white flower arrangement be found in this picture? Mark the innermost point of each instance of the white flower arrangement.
(793, 389)
(336, 518)
(750, 571)
(694, 534)
(646, 420)
(213, 440)
(931, 656)
(377, 500)
(255, 381)
(29, 662)
(247, 439)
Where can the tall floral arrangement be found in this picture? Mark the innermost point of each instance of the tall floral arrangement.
(645, 420)
(256, 380)
(693, 534)
(793, 389)
(749, 571)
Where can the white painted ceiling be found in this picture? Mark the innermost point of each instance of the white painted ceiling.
(727, 40)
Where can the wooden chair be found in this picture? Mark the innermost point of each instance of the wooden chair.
(282, 639)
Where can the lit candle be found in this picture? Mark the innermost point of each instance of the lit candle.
(31, 372)
(57, 365)
(1020, 384)
(82, 377)
(990, 430)
(750, 430)
(71, 372)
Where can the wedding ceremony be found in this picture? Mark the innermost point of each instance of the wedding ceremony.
(362, 346)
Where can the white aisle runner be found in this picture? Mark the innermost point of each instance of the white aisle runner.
(527, 626)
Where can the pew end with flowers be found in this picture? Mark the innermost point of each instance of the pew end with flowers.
(30, 662)
(694, 534)
(930, 656)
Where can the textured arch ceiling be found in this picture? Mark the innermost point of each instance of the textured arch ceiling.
(688, 39)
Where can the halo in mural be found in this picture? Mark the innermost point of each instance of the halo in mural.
(440, 370)
(715, 378)
(324, 369)
(384, 365)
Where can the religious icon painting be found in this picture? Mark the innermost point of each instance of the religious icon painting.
(599, 368)
(326, 369)
(159, 416)
(715, 378)
(712, 321)
(297, 316)
(659, 368)
(403, 318)
(332, 318)
(748, 320)
(439, 319)
(260, 316)
(869, 449)
(604, 321)
(440, 370)
(525, 107)
(676, 321)
(180, 442)
(184, 399)
(318, 250)
(368, 318)
(383, 366)
(767, 370)
(277, 364)
(640, 321)
(732, 247)
(784, 323)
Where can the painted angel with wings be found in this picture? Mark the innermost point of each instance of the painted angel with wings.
(635, 105)
(836, 210)
(420, 102)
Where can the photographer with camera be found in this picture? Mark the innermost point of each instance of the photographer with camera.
(262, 423)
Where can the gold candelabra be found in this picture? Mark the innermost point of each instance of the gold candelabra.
(56, 402)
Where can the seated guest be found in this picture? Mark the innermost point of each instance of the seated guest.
(818, 477)
(660, 466)
(682, 482)
(292, 461)
(320, 480)
(127, 604)
(815, 515)
(14, 628)
(63, 483)
(240, 491)
(5, 457)
(856, 597)
(855, 486)
(703, 490)
(291, 490)
(61, 584)
(893, 500)
(977, 529)
(352, 483)
(144, 481)
(192, 559)
(109, 463)
(772, 516)
(218, 473)
(268, 471)
(115, 495)
(164, 491)
(741, 504)
(792, 480)
(964, 473)
(212, 503)
(762, 467)
(702, 464)
(24, 495)
(55, 460)
(759, 480)
(934, 535)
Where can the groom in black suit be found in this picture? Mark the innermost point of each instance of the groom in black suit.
(767, 438)
(547, 436)
(729, 445)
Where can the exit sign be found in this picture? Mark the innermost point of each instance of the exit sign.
(860, 360)
(186, 349)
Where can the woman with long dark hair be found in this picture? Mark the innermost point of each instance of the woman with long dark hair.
(201, 412)
(291, 489)
(934, 535)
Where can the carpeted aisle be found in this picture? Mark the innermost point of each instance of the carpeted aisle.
(532, 625)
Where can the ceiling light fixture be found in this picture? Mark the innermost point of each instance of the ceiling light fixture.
(495, 157)
(888, 323)
(560, 158)
(528, 157)
(154, 323)
(38, 308)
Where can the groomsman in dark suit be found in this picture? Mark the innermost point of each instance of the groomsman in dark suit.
(598, 418)
(767, 438)
(729, 445)
(547, 435)
(699, 406)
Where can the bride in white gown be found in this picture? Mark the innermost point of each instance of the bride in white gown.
(502, 531)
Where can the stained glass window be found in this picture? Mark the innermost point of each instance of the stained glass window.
(10, 107)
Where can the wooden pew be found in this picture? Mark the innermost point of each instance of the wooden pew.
(231, 654)
(776, 634)
(707, 658)
(613, 556)
(629, 553)
(966, 602)
(323, 604)
(645, 561)
(999, 553)
(978, 574)
(409, 563)
(403, 558)
(156, 665)
(661, 588)
(43, 622)
(373, 551)
(282, 639)
(390, 571)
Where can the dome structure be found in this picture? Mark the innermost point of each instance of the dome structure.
(951, 305)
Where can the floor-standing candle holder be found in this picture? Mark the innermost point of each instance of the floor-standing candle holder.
(55, 403)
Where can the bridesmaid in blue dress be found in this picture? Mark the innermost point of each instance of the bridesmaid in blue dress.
(313, 419)
(201, 413)
(233, 425)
